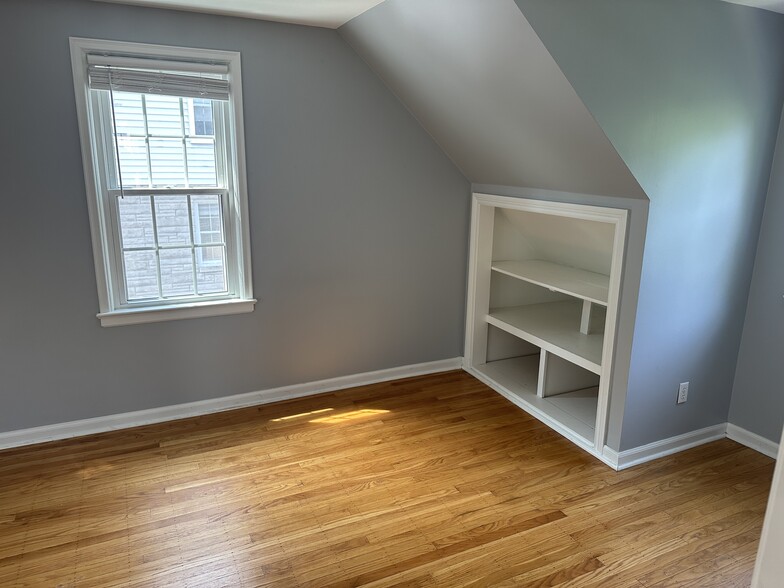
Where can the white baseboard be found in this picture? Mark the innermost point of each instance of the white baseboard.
(638, 455)
(752, 440)
(617, 460)
(644, 453)
(190, 409)
(610, 457)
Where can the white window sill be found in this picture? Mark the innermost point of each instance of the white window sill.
(118, 318)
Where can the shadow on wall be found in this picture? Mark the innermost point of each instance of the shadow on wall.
(697, 235)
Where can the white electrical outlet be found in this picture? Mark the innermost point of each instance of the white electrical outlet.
(683, 392)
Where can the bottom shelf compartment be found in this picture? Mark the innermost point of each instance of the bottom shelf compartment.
(581, 404)
(571, 413)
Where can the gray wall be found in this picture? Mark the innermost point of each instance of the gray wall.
(479, 79)
(690, 95)
(758, 395)
(358, 222)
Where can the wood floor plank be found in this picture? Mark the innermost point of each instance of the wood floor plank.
(428, 481)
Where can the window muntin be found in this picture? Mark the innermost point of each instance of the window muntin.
(167, 181)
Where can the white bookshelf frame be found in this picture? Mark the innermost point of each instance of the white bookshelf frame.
(479, 272)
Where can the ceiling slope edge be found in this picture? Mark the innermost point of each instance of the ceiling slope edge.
(328, 14)
(477, 77)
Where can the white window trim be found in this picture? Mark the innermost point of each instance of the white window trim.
(109, 314)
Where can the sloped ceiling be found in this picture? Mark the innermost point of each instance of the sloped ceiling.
(481, 82)
(319, 13)
(323, 13)
(690, 93)
(773, 5)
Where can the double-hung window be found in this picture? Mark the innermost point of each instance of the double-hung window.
(161, 131)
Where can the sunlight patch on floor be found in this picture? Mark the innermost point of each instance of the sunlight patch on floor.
(349, 416)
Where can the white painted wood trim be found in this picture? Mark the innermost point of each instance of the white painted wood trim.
(190, 409)
(541, 386)
(610, 457)
(239, 175)
(478, 301)
(585, 318)
(169, 313)
(78, 49)
(752, 440)
(620, 220)
(470, 335)
(769, 568)
(572, 210)
(645, 453)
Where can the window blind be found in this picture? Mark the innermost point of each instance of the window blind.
(170, 83)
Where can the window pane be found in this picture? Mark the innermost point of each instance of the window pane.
(163, 115)
(141, 275)
(133, 162)
(201, 162)
(210, 270)
(167, 162)
(203, 123)
(176, 272)
(136, 228)
(171, 217)
(207, 225)
(128, 114)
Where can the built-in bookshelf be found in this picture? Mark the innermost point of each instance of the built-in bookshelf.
(543, 295)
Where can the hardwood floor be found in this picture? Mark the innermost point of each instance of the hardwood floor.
(432, 481)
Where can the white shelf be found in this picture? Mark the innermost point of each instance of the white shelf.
(554, 326)
(560, 278)
(581, 404)
(516, 379)
(519, 373)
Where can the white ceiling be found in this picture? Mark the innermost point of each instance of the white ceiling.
(319, 13)
(774, 5)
